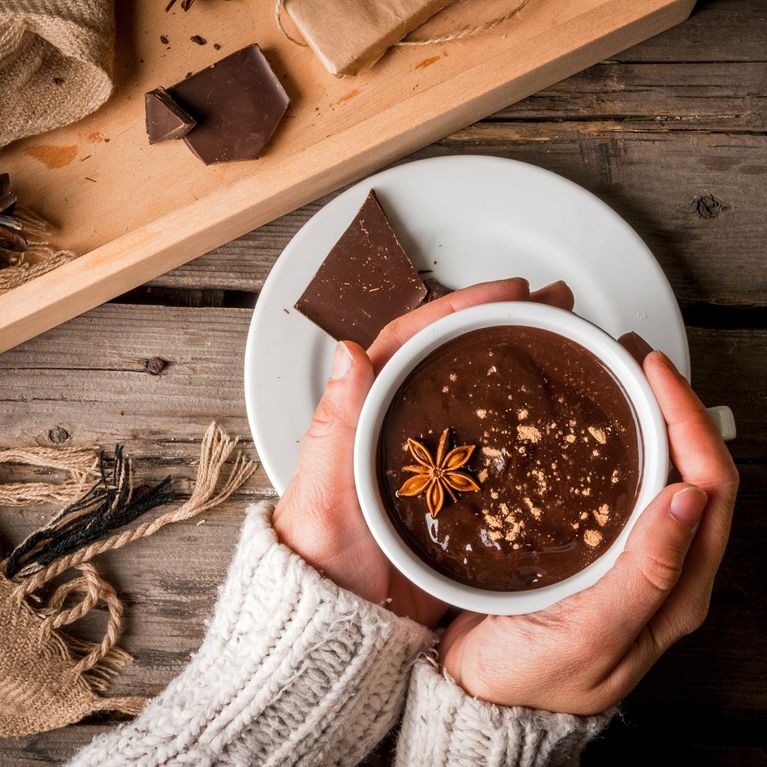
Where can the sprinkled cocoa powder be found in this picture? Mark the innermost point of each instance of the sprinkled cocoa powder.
(557, 457)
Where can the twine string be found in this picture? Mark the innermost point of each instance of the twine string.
(460, 34)
(278, 8)
(215, 450)
(100, 660)
(46, 258)
(81, 464)
(94, 590)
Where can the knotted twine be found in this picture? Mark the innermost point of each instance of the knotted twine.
(48, 678)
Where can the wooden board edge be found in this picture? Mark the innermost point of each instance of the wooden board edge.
(134, 258)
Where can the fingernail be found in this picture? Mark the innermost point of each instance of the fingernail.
(687, 505)
(342, 362)
(552, 285)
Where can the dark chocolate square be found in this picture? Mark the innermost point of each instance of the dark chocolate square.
(366, 281)
(238, 103)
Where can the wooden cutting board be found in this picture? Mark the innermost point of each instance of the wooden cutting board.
(135, 211)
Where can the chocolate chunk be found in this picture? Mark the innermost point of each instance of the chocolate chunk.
(365, 282)
(635, 345)
(164, 118)
(237, 102)
(198, 39)
(435, 289)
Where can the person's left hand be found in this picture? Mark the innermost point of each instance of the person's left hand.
(319, 516)
(585, 653)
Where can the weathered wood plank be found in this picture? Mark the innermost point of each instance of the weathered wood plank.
(89, 376)
(724, 97)
(718, 30)
(169, 597)
(696, 198)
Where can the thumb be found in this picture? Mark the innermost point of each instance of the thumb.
(336, 416)
(328, 445)
(625, 599)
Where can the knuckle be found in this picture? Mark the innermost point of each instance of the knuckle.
(326, 419)
(698, 616)
(661, 573)
(732, 478)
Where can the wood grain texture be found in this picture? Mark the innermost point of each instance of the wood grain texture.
(90, 377)
(711, 187)
(334, 132)
(652, 131)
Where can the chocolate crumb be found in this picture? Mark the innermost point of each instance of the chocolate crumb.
(198, 39)
(602, 514)
(598, 435)
(528, 433)
(592, 538)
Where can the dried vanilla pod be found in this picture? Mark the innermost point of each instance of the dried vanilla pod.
(12, 237)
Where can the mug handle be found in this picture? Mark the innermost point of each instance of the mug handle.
(724, 420)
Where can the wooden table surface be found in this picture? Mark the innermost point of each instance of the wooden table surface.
(672, 135)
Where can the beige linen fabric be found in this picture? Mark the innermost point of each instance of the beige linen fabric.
(55, 63)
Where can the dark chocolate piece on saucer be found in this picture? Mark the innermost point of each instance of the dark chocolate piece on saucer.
(238, 103)
(366, 281)
(435, 289)
(165, 119)
(635, 345)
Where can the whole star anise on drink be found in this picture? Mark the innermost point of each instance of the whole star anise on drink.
(438, 475)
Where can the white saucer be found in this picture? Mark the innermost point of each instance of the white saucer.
(469, 219)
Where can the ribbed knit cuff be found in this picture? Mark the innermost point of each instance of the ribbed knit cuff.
(292, 670)
(454, 729)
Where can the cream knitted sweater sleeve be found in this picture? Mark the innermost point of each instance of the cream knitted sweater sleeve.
(294, 670)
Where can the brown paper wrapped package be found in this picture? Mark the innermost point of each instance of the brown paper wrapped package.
(351, 35)
(55, 63)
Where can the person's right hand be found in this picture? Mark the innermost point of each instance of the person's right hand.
(584, 654)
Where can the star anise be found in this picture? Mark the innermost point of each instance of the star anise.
(435, 476)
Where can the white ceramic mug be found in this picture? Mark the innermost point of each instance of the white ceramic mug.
(654, 449)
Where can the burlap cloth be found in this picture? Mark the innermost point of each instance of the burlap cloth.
(50, 677)
(55, 63)
(41, 686)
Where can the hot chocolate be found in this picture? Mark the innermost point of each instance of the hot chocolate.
(509, 459)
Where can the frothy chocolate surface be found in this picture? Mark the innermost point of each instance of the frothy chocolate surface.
(557, 457)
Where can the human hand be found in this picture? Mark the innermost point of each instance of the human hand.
(319, 516)
(587, 652)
